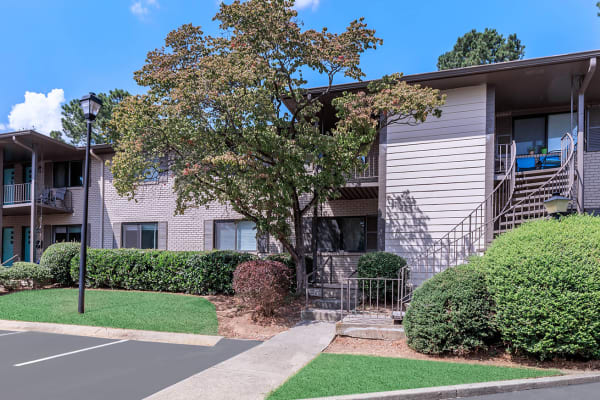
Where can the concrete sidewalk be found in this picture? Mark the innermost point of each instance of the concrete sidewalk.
(256, 372)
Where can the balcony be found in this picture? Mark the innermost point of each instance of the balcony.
(17, 200)
(370, 171)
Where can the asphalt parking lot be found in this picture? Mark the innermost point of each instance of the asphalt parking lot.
(36, 365)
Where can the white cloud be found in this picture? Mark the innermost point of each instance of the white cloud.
(141, 8)
(300, 4)
(39, 111)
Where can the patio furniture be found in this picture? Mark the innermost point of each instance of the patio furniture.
(526, 163)
(552, 160)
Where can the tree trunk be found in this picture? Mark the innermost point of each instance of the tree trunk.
(300, 262)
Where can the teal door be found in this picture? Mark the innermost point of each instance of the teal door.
(8, 240)
(9, 189)
(28, 180)
(26, 244)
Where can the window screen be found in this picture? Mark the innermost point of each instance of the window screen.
(140, 235)
(530, 133)
(235, 235)
(343, 234)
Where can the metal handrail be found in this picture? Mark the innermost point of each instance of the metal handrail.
(471, 234)
(562, 181)
(15, 257)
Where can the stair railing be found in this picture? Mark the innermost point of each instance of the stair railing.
(562, 182)
(471, 235)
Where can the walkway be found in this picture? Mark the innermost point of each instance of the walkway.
(254, 373)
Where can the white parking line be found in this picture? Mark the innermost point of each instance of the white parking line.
(69, 353)
(10, 333)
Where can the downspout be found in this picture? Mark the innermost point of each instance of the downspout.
(32, 219)
(97, 157)
(581, 133)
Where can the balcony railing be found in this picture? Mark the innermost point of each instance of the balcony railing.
(20, 193)
(17, 194)
(370, 171)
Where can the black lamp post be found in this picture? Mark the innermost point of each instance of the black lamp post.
(90, 104)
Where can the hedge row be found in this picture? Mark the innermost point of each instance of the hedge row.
(159, 270)
(24, 275)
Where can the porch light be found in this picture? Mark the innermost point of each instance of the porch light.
(90, 104)
(557, 205)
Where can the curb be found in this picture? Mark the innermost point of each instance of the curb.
(473, 389)
(111, 333)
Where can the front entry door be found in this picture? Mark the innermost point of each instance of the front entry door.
(8, 240)
(26, 244)
(9, 180)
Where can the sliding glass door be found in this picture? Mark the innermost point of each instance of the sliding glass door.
(530, 134)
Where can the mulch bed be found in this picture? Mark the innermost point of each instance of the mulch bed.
(237, 321)
(495, 356)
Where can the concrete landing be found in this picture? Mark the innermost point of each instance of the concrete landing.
(256, 372)
(378, 331)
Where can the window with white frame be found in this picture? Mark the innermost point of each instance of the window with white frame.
(235, 235)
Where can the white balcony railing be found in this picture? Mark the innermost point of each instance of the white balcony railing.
(18, 193)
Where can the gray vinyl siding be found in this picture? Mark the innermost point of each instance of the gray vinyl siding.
(436, 172)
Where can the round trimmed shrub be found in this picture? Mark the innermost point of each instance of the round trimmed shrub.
(25, 275)
(380, 264)
(57, 258)
(262, 284)
(544, 277)
(451, 313)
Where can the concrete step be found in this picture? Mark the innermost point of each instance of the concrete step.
(332, 304)
(328, 292)
(315, 314)
(369, 330)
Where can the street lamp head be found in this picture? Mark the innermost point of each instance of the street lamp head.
(557, 204)
(90, 104)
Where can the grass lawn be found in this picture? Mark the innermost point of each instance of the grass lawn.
(116, 309)
(340, 374)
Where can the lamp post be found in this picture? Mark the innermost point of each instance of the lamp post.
(90, 104)
(557, 205)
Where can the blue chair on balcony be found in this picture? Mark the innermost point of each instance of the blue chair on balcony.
(526, 164)
(551, 160)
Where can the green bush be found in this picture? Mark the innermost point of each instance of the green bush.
(57, 258)
(545, 280)
(451, 313)
(380, 264)
(24, 275)
(160, 270)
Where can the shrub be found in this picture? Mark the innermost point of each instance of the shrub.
(380, 264)
(545, 280)
(262, 284)
(287, 260)
(451, 313)
(25, 275)
(57, 258)
(161, 270)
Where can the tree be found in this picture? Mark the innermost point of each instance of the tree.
(215, 114)
(478, 48)
(74, 124)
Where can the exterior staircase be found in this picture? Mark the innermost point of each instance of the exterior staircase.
(516, 198)
(527, 190)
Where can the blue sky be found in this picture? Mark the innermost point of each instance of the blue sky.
(53, 51)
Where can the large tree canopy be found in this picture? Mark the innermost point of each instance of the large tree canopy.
(74, 124)
(215, 114)
(477, 48)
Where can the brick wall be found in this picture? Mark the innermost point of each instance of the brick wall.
(591, 178)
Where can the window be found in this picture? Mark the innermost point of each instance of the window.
(140, 235)
(235, 235)
(68, 173)
(542, 132)
(351, 234)
(66, 233)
